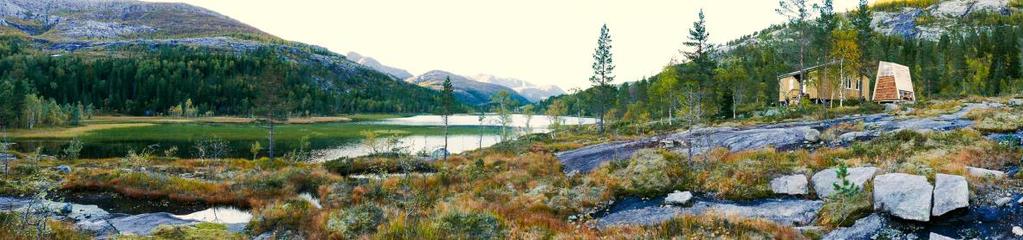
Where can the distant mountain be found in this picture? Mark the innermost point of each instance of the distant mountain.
(533, 92)
(191, 46)
(397, 73)
(466, 89)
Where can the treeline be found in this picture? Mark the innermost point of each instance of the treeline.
(979, 56)
(148, 80)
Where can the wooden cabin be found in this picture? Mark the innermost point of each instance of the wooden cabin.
(894, 84)
(853, 87)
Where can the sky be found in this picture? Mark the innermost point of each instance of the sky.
(547, 42)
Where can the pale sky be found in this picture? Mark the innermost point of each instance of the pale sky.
(540, 41)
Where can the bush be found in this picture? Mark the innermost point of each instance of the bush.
(842, 210)
(650, 173)
(203, 230)
(472, 226)
(280, 216)
(353, 222)
(377, 164)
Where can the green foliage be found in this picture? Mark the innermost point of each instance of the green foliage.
(897, 5)
(460, 225)
(844, 187)
(844, 209)
(72, 150)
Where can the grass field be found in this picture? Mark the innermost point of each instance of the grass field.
(244, 132)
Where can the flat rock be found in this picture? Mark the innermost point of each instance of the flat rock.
(985, 173)
(142, 224)
(1018, 231)
(951, 192)
(903, 195)
(678, 198)
(787, 212)
(864, 228)
(825, 180)
(642, 217)
(935, 236)
(790, 184)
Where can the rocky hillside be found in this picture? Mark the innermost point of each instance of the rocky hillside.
(533, 92)
(930, 22)
(466, 90)
(397, 73)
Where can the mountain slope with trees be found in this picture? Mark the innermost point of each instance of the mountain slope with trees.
(139, 58)
(975, 54)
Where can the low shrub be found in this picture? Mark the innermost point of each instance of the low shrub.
(842, 210)
(354, 222)
(377, 164)
(281, 216)
(460, 225)
(201, 231)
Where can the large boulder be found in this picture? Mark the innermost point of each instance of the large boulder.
(935, 236)
(903, 195)
(678, 198)
(791, 185)
(864, 228)
(825, 180)
(951, 192)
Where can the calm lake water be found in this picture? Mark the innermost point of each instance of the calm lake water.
(418, 134)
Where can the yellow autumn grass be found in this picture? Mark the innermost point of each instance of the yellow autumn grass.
(223, 119)
(71, 132)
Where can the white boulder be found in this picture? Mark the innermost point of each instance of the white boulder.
(903, 195)
(678, 198)
(824, 181)
(1017, 230)
(791, 185)
(951, 192)
(985, 173)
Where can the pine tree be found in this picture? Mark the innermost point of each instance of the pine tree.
(797, 12)
(447, 102)
(603, 73)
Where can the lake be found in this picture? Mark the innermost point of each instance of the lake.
(326, 141)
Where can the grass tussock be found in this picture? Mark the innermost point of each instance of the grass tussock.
(842, 210)
(714, 226)
(201, 231)
(996, 119)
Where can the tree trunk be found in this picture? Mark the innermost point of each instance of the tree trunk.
(445, 137)
(271, 138)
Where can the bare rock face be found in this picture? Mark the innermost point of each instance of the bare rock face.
(951, 192)
(791, 185)
(903, 195)
(825, 180)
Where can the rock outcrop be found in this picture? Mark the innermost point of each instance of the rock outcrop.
(825, 180)
(790, 184)
(951, 192)
(903, 195)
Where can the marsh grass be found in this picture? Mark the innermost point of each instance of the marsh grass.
(714, 226)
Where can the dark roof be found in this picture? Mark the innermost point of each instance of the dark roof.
(805, 70)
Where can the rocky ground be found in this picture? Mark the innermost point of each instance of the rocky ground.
(904, 204)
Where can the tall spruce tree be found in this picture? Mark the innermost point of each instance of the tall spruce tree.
(603, 74)
(447, 101)
(797, 12)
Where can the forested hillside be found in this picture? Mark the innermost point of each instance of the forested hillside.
(63, 58)
(950, 56)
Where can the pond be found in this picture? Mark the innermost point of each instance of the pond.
(326, 141)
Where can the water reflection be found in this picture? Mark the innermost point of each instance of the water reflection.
(413, 144)
(222, 215)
